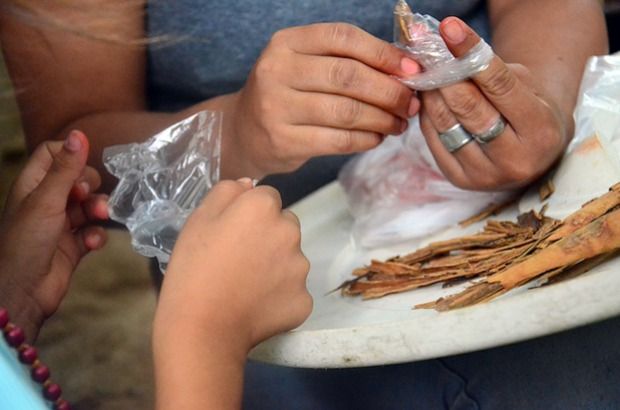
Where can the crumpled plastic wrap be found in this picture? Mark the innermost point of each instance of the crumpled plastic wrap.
(592, 162)
(419, 35)
(396, 192)
(162, 180)
(598, 107)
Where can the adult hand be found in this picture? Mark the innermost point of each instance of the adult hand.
(534, 135)
(317, 90)
(47, 227)
(237, 270)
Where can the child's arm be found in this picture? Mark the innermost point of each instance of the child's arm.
(237, 276)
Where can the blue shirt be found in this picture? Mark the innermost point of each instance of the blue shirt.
(17, 389)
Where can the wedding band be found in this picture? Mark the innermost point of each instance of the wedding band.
(492, 133)
(455, 138)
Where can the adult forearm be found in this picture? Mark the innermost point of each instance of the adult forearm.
(111, 128)
(553, 38)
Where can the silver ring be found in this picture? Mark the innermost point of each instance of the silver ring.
(495, 131)
(455, 138)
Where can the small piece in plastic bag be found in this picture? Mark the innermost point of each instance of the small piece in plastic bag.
(162, 180)
(396, 192)
(419, 35)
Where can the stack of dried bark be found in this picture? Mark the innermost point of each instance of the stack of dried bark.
(503, 256)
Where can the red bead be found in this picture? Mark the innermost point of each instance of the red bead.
(52, 392)
(28, 355)
(40, 373)
(4, 317)
(62, 405)
(15, 337)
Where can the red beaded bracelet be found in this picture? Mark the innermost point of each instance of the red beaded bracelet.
(28, 355)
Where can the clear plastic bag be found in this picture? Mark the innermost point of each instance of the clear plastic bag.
(162, 180)
(396, 192)
(419, 35)
(592, 162)
(598, 109)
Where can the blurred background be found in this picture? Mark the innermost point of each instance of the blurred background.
(98, 345)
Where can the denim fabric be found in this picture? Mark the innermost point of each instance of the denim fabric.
(577, 369)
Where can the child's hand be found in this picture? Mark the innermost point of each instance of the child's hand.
(47, 228)
(237, 270)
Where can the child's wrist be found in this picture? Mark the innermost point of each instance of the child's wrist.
(24, 309)
(207, 335)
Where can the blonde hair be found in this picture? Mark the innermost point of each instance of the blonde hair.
(97, 19)
(94, 24)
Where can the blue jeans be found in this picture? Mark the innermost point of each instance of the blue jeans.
(576, 369)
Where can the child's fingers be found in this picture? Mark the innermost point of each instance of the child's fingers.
(81, 242)
(33, 173)
(222, 195)
(93, 238)
(94, 208)
(89, 182)
(68, 164)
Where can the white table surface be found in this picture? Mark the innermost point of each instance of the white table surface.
(349, 332)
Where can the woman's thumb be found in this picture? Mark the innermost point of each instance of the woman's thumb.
(67, 166)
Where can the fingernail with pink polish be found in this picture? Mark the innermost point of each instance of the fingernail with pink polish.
(73, 142)
(453, 29)
(409, 66)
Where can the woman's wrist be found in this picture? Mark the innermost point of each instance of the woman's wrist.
(236, 162)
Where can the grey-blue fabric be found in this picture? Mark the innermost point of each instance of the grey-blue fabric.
(216, 43)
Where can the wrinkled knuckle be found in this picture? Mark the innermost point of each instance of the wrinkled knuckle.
(280, 38)
(384, 56)
(62, 163)
(441, 116)
(520, 172)
(347, 112)
(485, 181)
(500, 82)
(519, 69)
(342, 74)
(342, 33)
(344, 142)
(466, 104)
(397, 96)
(265, 67)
